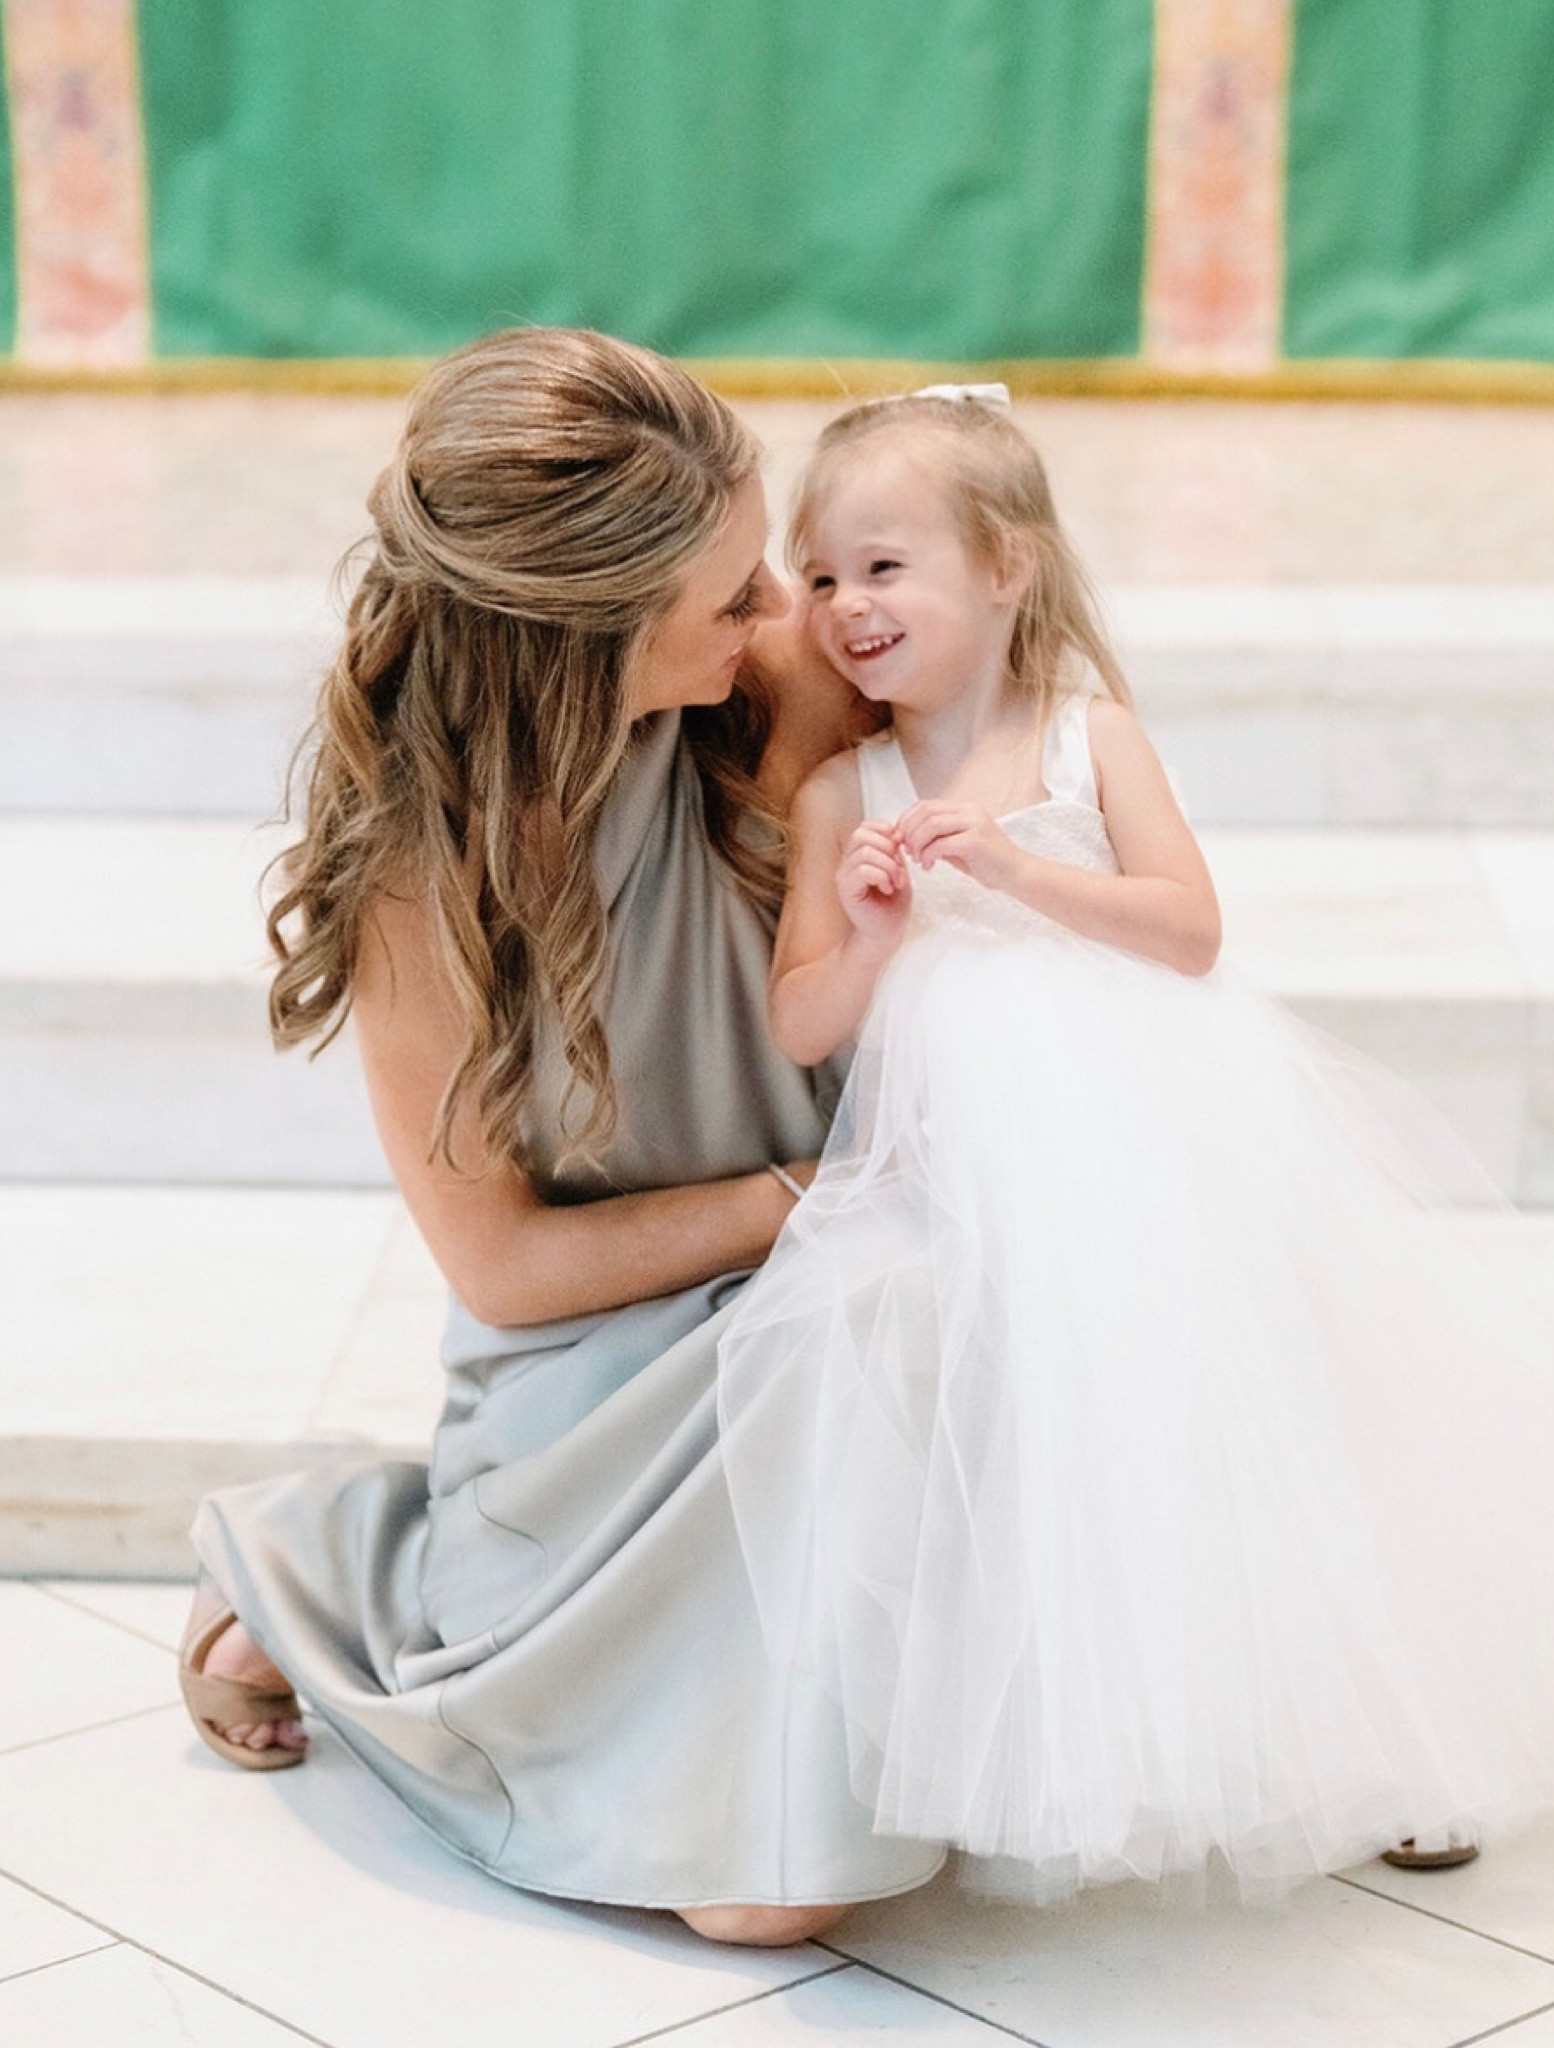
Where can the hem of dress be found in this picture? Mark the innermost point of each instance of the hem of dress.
(692, 1904)
(698, 1903)
(340, 1729)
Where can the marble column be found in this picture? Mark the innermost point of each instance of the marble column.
(1214, 266)
(82, 259)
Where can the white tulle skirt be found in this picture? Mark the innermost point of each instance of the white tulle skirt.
(1152, 1473)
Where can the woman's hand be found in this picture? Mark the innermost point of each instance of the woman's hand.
(872, 883)
(965, 835)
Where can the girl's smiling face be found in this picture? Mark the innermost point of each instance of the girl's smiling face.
(897, 601)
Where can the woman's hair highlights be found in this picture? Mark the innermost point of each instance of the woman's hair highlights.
(996, 487)
(551, 490)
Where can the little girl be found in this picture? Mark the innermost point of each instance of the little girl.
(1154, 1477)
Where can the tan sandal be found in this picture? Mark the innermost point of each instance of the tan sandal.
(218, 1703)
(1408, 1856)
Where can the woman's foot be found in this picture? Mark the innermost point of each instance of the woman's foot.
(762, 1926)
(235, 1655)
(242, 1706)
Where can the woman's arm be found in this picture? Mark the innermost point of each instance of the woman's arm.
(508, 1256)
(847, 904)
(1161, 905)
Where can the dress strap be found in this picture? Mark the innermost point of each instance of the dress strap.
(1066, 764)
(885, 782)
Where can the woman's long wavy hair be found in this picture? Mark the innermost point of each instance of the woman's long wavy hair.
(551, 491)
(996, 488)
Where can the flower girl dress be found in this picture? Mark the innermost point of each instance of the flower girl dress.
(1122, 1431)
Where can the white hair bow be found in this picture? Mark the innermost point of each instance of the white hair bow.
(966, 394)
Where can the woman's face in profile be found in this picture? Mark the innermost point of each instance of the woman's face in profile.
(692, 655)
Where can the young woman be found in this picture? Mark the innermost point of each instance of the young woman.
(539, 871)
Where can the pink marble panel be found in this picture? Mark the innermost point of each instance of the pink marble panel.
(84, 299)
(1214, 274)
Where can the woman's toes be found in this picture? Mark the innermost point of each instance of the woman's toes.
(267, 1735)
(235, 1654)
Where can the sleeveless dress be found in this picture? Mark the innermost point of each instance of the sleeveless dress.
(1153, 1476)
(544, 1642)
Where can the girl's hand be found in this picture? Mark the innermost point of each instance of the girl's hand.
(873, 884)
(965, 835)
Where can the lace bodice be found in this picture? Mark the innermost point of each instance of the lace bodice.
(1067, 825)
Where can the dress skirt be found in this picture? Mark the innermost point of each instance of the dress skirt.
(544, 1643)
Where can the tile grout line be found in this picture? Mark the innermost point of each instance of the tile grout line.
(937, 1998)
(734, 2005)
(90, 1728)
(1499, 1940)
(1489, 2033)
(59, 1962)
(51, 1592)
(123, 1940)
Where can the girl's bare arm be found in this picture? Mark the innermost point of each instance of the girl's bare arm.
(842, 919)
(508, 1256)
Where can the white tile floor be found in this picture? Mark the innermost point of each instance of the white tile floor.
(152, 1898)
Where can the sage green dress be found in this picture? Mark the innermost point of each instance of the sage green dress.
(543, 1641)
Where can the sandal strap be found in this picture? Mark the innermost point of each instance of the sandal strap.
(227, 1701)
(223, 1701)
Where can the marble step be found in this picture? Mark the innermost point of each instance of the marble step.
(165, 1341)
(1424, 704)
(182, 694)
(133, 1015)
(161, 1341)
(132, 993)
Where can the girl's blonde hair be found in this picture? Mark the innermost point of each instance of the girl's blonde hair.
(997, 491)
(551, 491)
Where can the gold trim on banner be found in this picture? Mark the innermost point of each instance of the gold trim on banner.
(341, 376)
(1422, 381)
(1465, 383)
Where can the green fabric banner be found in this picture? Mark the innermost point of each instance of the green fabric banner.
(1420, 197)
(932, 178)
(811, 181)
